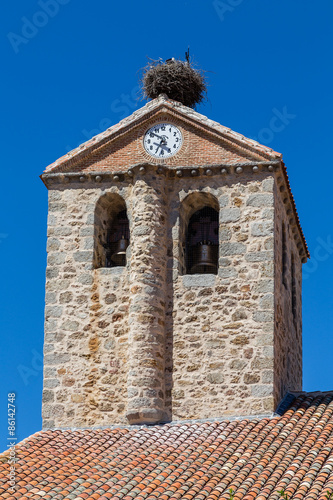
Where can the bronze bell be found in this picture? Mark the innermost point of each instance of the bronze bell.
(118, 256)
(204, 258)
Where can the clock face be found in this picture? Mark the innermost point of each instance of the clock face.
(163, 140)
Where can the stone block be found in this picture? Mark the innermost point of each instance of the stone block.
(53, 244)
(268, 351)
(194, 280)
(260, 200)
(66, 297)
(83, 256)
(57, 207)
(263, 316)
(268, 184)
(268, 213)
(225, 262)
(50, 325)
(70, 325)
(86, 279)
(223, 200)
(90, 219)
(265, 286)
(260, 363)
(50, 298)
(239, 314)
(225, 234)
(53, 311)
(251, 378)
(62, 231)
(48, 347)
(215, 377)
(141, 231)
(230, 215)
(240, 340)
(259, 256)
(232, 249)
(48, 396)
(264, 228)
(56, 258)
(54, 195)
(261, 391)
(229, 272)
(89, 243)
(264, 339)
(87, 231)
(52, 272)
(50, 372)
(237, 364)
(77, 398)
(267, 301)
(268, 377)
(53, 410)
(51, 220)
(56, 358)
(51, 383)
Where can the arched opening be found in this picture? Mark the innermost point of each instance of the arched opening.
(111, 232)
(203, 242)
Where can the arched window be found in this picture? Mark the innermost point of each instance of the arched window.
(117, 240)
(111, 233)
(202, 243)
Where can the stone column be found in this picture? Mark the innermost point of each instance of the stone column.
(145, 382)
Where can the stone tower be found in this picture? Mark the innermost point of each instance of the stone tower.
(173, 284)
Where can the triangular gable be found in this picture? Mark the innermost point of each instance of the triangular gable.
(205, 142)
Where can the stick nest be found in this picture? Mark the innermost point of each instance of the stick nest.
(177, 79)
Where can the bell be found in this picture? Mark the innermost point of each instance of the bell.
(118, 256)
(204, 259)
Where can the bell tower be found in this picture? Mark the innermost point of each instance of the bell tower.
(173, 282)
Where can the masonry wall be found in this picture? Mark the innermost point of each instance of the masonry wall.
(221, 328)
(86, 318)
(212, 336)
(288, 298)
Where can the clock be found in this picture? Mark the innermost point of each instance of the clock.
(163, 140)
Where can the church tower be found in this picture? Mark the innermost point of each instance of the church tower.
(174, 275)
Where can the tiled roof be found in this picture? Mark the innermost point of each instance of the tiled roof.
(161, 103)
(196, 460)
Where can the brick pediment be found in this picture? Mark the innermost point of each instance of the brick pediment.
(204, 143)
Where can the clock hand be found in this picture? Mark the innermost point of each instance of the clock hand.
(162, 146)
(153, 133)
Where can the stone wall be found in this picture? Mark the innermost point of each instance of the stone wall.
(123, 344)
(220, 329)
(288, 315)
(86, 319)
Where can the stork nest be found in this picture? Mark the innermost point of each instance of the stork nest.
(177, 79)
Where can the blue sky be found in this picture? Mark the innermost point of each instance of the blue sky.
(70, 70)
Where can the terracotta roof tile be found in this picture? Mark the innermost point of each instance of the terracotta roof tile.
(196, 460)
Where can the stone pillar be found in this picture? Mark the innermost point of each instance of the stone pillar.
(145, 382)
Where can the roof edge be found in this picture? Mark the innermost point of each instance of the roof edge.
(151, 108)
